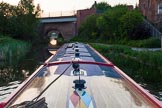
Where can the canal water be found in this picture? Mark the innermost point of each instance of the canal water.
(19, 73)
(33, 60)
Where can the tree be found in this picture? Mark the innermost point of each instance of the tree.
(108, 23)
(101, 7)
(6, 12)
(27, 17)
(141, 31)
(19, 21)
(26, 7)
(38, 11)
(115, 23)
(129, 22)
(88, 28)
(103, 27)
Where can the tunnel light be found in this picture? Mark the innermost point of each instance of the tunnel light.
(53, 42)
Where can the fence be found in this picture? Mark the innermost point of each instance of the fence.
(59, 13)
(154, 31)
(161, 42)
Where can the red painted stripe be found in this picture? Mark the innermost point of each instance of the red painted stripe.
(2, 105)
(81, 62)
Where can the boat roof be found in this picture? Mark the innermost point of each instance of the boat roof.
(105, 85)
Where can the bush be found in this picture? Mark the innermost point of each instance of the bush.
(130, 21)
(142, 66)
(88, 28)
(116, 23)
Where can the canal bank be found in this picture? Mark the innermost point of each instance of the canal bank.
(37, 55)
(142, 65)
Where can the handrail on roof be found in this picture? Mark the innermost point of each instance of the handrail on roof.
(81, 62)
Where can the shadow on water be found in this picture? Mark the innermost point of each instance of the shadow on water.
(155, 89)
(12, 76)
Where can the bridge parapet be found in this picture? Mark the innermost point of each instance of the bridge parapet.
(58, 19)
(58, 14)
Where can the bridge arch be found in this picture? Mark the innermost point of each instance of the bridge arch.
(57, 35)
(51, 30)
(65, 26)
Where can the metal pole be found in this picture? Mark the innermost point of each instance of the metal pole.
(161, 42)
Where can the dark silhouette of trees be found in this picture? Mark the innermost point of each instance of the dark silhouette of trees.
(101, 7)
(88, 29)
(115, 23)
(20, 21)
(131, 21)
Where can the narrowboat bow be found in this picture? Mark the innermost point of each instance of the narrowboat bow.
(77, 76)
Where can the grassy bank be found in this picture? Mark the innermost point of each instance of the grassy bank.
(144, 66)
(11, 52)
(145, 43)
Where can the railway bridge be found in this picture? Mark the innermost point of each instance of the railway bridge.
(65, 26)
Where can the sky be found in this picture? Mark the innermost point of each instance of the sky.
(70, 5)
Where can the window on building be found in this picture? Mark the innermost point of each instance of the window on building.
(144, 6)
(149, 3)
(160, 8)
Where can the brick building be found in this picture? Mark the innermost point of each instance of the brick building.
(152, 10)
(82, 15)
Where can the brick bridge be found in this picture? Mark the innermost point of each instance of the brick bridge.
(66, 26)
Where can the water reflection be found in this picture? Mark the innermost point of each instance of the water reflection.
(9, 74)
(154, 89)
(33, 89)
(12, 76)
(8, 89)
(130, 92)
